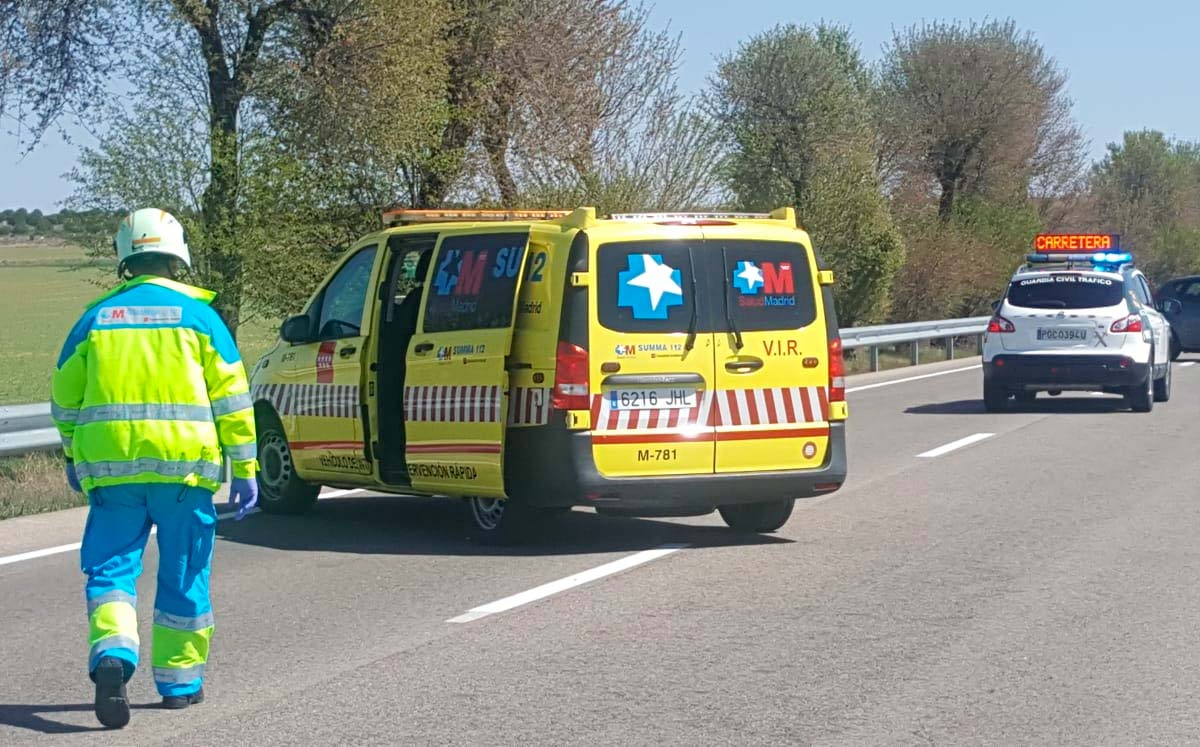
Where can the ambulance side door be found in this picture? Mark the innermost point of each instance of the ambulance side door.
(325, 374)
(456, 386)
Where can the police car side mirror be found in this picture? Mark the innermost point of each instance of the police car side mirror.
(296, 330)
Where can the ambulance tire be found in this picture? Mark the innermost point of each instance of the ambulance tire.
(280, 489)
(502, 522)
(758, 517)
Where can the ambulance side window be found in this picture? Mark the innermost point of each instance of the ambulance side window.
(344, 298)
(473, 282)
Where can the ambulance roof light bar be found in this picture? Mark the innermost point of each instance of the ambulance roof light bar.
(653, 217)
(405, 216)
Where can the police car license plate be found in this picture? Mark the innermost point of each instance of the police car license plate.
(662, 398)
(1062, 334)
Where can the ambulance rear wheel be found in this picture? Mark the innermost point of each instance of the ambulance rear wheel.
(758, 517)
(280, 489)
(502, 521)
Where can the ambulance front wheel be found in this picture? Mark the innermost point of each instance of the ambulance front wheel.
(758, 517)
(280, 489)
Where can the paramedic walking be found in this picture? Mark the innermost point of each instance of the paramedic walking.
(150, 395)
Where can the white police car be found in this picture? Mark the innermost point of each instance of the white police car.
(1077, 322)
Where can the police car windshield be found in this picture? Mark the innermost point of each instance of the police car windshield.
(1066, 291)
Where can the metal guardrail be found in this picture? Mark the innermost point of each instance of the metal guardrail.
(28, 428)
(914, 333)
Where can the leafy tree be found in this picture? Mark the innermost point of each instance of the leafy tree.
(794, 104)
(202, 72)
(977, 110)
(1147, 188)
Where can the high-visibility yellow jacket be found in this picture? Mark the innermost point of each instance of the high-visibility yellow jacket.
(150, 388)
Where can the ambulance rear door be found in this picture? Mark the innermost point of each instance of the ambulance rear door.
(771, 406)
(651, 357)
(456, 386)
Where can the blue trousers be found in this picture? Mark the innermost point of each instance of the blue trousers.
(118, 527)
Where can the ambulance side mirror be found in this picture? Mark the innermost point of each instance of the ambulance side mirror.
(825, 277)
(297, 330)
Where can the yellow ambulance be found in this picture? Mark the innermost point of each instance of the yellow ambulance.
(531, 361)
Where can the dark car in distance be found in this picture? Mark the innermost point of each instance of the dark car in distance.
(1179, 301)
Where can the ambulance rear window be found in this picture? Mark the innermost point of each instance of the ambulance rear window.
(1066, 291)
(770, 284)
(648, 286)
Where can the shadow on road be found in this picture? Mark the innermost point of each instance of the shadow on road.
(400, 525)
(1065, 405)
(30, 717)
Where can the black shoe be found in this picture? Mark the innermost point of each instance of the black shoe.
(112, 704)
(178, 702)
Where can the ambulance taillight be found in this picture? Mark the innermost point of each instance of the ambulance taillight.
(837, 371)
(571, 378)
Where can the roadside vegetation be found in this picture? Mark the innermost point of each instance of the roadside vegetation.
(33, 484)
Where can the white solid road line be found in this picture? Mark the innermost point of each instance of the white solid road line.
(953, 445)
(561, 585)
(34, 554)
(865, 387)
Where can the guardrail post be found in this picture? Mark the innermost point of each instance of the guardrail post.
(949, 348)
(916, 352)
(874, 358)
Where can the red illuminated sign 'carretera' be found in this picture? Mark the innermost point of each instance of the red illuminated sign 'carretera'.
(1077, 242)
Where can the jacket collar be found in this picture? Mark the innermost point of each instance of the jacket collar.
(191, 291)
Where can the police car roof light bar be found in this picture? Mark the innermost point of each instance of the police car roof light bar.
(1093, 260)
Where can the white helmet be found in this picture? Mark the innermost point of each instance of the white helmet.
(151, 231)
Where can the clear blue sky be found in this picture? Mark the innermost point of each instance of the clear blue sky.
(1131, 64)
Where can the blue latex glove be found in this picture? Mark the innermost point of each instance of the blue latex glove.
(243, 494)
(72, 478)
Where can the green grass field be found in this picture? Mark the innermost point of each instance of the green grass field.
(43, 290)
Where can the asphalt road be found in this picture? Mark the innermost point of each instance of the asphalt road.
(1036, 585)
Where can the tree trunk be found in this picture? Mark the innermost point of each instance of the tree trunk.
(495, 142)
(946, 201)
(219, 201)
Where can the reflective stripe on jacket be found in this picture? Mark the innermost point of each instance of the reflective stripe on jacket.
(150, 388)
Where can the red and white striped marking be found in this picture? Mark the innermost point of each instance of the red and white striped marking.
(529, 406)
(311, 400)
(721, 409)
(452, 404)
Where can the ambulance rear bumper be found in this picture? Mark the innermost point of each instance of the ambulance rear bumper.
(684, 495)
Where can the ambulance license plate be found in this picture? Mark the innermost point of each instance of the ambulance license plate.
(1067, 334)
(664, 398)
